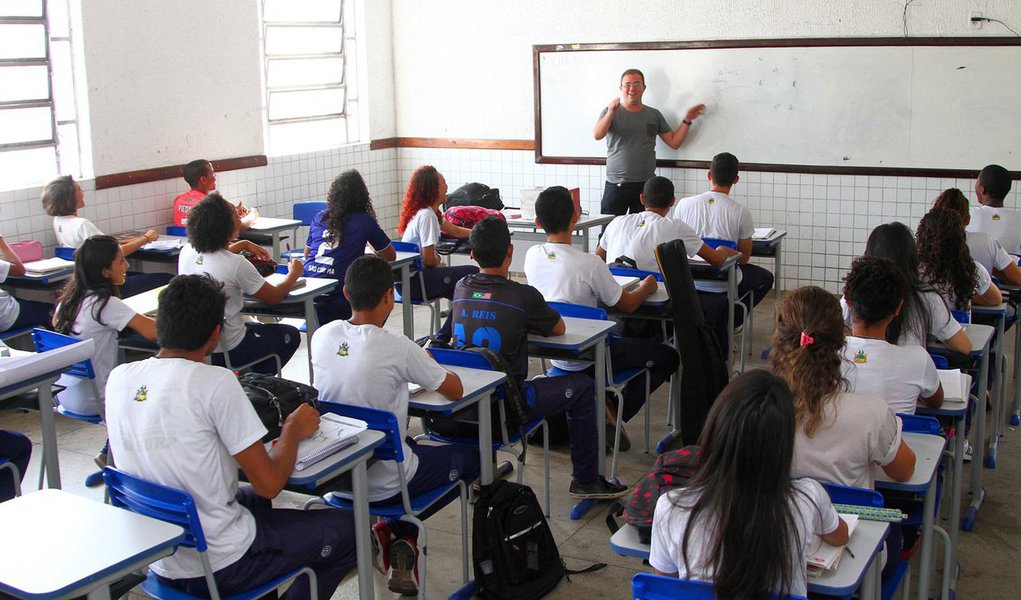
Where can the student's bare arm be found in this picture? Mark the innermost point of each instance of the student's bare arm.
(664, 574)
(1012, 274)
(601, 253)
(959, 342)
(17, 268)
(268, 471)
(837, 537)
(560, 328)
(745, 248)
(603, 124)
(271, 294)
(388, 254)
(935, 400)
(629, 301)
(991, 297)
(715, 256)
(145, 326)
(430, 257)
(903, 465)
(454, 230)
(135, 243)
(451, 388)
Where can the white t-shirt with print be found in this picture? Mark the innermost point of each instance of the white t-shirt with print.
(715, 215)
(814, 515)
(1003, 224)
(636, 236)
(986, 251)
(78, 396)
(180, 423)
(565, 273)
(897, 374)
(9, 307)
(238, 277)
(856, 433)
(369, 366)
(423, 229)
(72, 231)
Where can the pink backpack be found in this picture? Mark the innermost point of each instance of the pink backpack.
(468, 216)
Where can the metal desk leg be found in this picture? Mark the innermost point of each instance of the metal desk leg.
(275, 236)
(870, 583)
(928, 521)
(675, 405)
(777, 279)
(311, 324)
(49, 433)
(731, 300)
(363, 545)
(406, 308)
(486, 439)
(996, 428)
(955, 489)
(581, 508)
(978, 445)
(1015, 413)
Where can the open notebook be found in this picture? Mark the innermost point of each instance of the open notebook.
(278, 278)
(763, 233)
(47, 265)
(826, 557)
(628, 282)
(334, 434)
(955, 384)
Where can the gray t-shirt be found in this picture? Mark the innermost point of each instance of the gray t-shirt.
(631, 144)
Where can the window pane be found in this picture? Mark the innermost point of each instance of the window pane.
(288, 10)
(23, 83)
(285, 105)
(25, 125)
(57, 18)
(63, 84)
(22, 41)
(67, 138)
(304, 71)
(21, 8)
(23, 168)
(304, 40)
(288, 138)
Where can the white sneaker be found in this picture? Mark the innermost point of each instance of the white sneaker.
(967, 451)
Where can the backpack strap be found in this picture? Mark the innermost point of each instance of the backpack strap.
(615, 510)
(589, 569)
(513, 400)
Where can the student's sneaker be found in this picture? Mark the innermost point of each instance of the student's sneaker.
(599, 489)
(101, 459)
(967, 451)
(404, 566)
(381, 538)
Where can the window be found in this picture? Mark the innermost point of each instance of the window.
(39, 132)
(311, 101)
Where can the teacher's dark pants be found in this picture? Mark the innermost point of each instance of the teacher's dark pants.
(621, 198)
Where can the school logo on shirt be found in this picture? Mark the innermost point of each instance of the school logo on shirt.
(861, 358)
(481, 295)
(996, 216)
(550, 254)
(60, 228)
(141, 394)
(641, 223)
(342, 350)
(198, 261)
(712, 201)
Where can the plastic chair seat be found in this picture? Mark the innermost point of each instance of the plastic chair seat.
(94, 419)
(529, 429)
(395, 509)
(619, 379)
(157, 589)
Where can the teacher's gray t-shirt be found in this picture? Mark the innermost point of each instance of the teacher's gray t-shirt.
(631, 144)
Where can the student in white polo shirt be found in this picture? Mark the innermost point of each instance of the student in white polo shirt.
(715, 214)
(563, 272)
(901, 375)
(989, 215)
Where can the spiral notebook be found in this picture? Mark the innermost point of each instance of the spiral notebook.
(334, 434)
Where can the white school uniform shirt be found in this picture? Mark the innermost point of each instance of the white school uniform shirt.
(814, 515)
(636, 236)
(565, 273)
(1001, 223)
(72, 231)
(857, 432)
(715, 215)
(78, 396)
(180, 423)
(897, 374)
(369, 366)
(423, 229)
(942, 325)
(9, 307)
(986, 251)
(238, 277)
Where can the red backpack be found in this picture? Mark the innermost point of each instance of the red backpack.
(468, 216)
(672, 470)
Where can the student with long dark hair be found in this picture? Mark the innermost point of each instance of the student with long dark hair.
(983, 247)
(338, 236)
(946, 263)
(742, 522)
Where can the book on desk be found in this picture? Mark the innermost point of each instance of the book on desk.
(825, 556)
(763, 233)
(334, 434)
(955, 385)
(47, 265)
(278, 278)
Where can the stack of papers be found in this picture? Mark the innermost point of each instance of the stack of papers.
(627, 282)
(47, 265)
(955, 384)
(165, 245)
(762, 233)
(827, 557)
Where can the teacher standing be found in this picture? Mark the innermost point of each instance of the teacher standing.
(631, 143)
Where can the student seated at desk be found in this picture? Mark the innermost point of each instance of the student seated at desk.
(17, 448)
(201, 178)
(715, 214)
(338, 236)
(493, 311)
(841, 436)
(15, 313)
(212, 224)
(91, 308)
(62, 199)
(636, 236)
(901, 375)
(421, 223)
(358, 362)
(989, 215)
(177, 421)
(984, 249)
(566, 273)
(947, 265)
(704, 531)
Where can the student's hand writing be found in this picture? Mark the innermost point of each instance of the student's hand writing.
(613, 105)
(256, 249)
(695, 112)
(304, 421)
(295, 268)
(649, 283)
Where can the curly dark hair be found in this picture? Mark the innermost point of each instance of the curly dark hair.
(806, 352)
(211, 223)
(943, 257)
(955, 200)
(348, 196)
(874, 287)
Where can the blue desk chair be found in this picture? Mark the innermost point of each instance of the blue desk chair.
(646, 586)
(615, 382)
(79, 379)
(508, 438)
(175, 506)
(7, 465)
(178, 230)
(304, 212)
(742, 302)
(409, 507)
(640, 274)
(10, 334)
(418, 267)
(65, 252)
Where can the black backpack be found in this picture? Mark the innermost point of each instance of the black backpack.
(475, 194)
(513, 551)
(275, 398)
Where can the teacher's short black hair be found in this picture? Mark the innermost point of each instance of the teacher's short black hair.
(490, 239)
(724, 168)
(658, 192)
(366, 282)
(190, 308)
(554, 209)
(211, 223)
(996, 180)
(632, 72)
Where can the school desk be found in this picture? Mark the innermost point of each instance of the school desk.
(999, 315)
(1014, 291)
(273, 227)
(772, 245)
(63, 546)
(528, 231)
(402, 264)
(702, 270)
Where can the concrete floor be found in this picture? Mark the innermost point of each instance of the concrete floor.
(989, 555)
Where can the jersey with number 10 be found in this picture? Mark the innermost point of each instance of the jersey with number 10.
(496, 313)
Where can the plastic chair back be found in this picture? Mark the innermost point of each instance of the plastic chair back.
(460, 358)
(65, 252)
(716, 243)
(919, 424)
(377, 420)
(567, 309)
(178, 230)
(646, 586)
(307, 211)
(842, 494)
(399, 246)
(157, 501)
(941, 362)
(640, 274)
(961, 316)
(45, 340)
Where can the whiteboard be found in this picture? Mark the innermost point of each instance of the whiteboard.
(849, 108)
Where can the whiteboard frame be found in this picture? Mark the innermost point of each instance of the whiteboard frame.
(540, 49)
